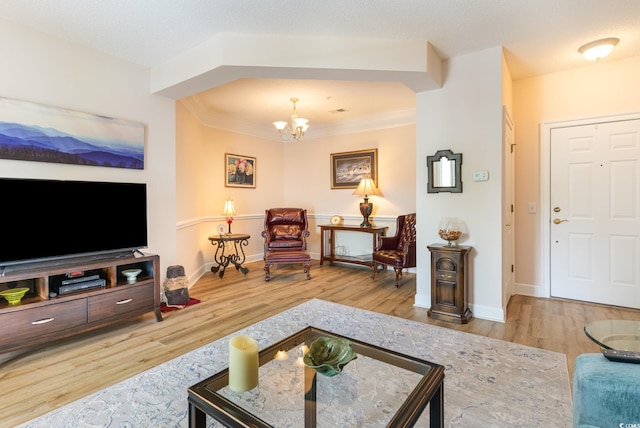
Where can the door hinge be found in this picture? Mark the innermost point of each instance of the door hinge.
(512, 269)
(511, 207)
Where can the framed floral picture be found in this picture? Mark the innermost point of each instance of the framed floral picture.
(240, 171)
(348, 168)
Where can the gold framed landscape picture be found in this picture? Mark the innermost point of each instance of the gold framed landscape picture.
(348, 168)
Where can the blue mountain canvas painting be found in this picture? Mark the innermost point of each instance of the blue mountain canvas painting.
(36, 132)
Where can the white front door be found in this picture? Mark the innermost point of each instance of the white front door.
(595, 212)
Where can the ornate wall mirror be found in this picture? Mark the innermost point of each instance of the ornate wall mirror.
(444, 172)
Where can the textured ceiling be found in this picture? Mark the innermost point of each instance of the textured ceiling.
(539, 36)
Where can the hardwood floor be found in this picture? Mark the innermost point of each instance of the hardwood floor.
(37, 380)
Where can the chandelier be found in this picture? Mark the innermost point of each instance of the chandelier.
(296, 128)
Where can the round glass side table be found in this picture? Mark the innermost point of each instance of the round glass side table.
(621, 335)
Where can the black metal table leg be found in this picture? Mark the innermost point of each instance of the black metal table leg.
(236, 257)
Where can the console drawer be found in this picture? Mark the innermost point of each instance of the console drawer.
(133, 298)
(28, 324)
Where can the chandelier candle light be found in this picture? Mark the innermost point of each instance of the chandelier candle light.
(365, 189)
(229, 211)
(296, 129)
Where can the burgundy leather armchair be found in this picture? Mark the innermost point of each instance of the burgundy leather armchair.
(285, 229)
(397, 251)
(285, 239)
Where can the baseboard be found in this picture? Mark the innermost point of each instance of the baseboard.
(488, 313)
(195, 276)
(479, 311)
(422, 301)
(529, 290)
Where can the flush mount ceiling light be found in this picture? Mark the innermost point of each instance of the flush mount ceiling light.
(598, 49)
(296, 128)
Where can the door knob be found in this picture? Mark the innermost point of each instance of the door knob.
(558, 221)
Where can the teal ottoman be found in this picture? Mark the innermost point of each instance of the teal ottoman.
(605, 393)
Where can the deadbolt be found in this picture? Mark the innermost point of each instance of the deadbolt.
(556, 210)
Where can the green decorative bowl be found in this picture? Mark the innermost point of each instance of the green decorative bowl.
(14, 295)
(328, 355)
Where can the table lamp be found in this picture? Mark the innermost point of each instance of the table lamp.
(365, 189)
(229, 211)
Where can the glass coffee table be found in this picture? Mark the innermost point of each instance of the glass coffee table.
(621, 335)
(379, 388)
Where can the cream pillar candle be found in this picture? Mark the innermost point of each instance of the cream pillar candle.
(243, 363)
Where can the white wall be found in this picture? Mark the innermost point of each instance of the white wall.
(201, 172)
(308, 181)
(42, 69)
(465, 116)
(308, 176)
(598, 89)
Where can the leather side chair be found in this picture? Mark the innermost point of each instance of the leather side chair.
(397, 251)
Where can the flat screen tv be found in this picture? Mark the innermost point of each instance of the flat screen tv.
(58, 219)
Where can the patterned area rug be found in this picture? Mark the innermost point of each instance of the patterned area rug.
(488, 382)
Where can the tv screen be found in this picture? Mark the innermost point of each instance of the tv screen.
(48, 219)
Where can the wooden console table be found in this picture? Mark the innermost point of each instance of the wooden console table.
(328, 235)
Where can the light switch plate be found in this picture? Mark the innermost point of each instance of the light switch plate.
(481, 176)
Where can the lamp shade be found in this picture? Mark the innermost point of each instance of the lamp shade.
(229, 209)
(280, 125)
(301, 123)
(367, 188)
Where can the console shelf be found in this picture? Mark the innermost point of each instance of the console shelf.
(45, 315)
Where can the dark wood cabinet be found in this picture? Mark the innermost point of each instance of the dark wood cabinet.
(44, 315)
(449, 283)
(119, 303)
(31, 324)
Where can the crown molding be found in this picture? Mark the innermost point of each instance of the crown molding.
(266, 131)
